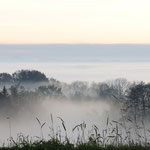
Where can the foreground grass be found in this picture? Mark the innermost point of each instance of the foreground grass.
(56, 145)
(110, 138)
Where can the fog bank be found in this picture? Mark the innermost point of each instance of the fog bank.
(97, 72)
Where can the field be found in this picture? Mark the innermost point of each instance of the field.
(128, 102)
(115, 136)
(56, 145)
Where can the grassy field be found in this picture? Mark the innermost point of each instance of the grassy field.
(56, 145)
(115, 136)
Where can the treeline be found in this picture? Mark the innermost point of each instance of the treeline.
(23, 76)
(132, 97)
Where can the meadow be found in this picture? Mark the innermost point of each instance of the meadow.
(116, 136)
(30, 97)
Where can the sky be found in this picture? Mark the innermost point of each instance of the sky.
(85, 62)
(74, 21)
(74, 53)
(97, 72)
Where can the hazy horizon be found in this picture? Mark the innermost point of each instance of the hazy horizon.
(75, 53)
(90, 72)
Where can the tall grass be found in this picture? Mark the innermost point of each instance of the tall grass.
(122, 135)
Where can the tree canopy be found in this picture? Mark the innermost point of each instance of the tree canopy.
(24, 76)
(5, 77)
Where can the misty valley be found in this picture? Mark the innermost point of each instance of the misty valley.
(113, 112)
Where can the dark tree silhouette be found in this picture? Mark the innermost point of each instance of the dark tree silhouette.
(139, 100)
(51, 91)
(4, 96)
(5, 77)
(14, 92)
(29, 76)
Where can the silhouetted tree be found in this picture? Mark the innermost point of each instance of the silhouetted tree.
(50, 91)
(104, 91)
(77, 90)
(120, 87)
(4, 96)
(14, 92)
(139, 100)
(29, 76)
(5, 77)
(4, 92)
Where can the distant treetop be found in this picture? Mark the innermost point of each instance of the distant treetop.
(24, 76)
(27, 75)
(5, 77)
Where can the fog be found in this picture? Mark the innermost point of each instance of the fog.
(72, 112)
(97, 72)
(21, 118)
(99, 113)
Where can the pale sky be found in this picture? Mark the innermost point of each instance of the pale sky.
(74, 21)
